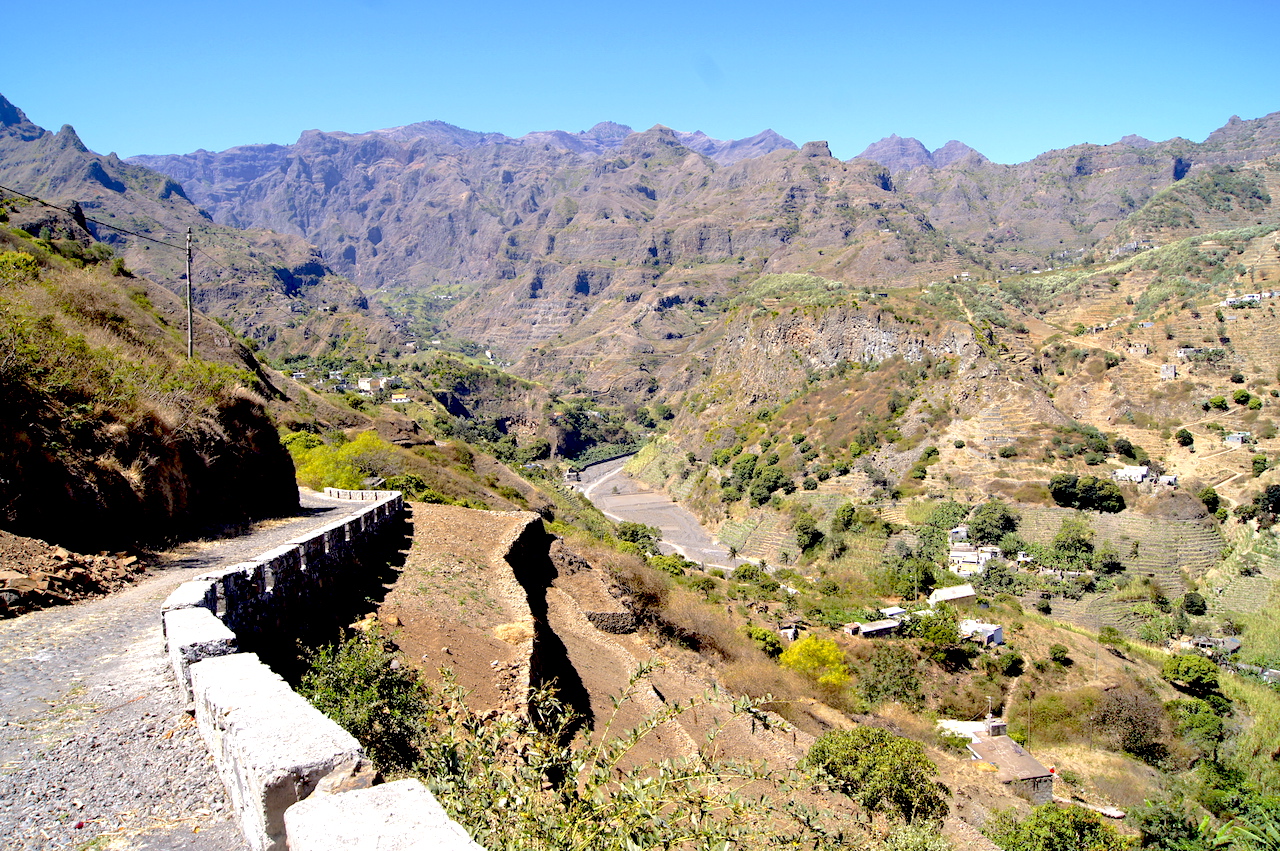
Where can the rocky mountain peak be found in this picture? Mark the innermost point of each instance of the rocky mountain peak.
(1135, 141)
(69, 138)
(14, 122)
(952, 152)
(903, 154)
(608, 131)
(897, 154)
(815, 149)
(729, 152)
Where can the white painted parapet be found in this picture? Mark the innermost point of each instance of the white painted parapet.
(271, 747)
(392, 817)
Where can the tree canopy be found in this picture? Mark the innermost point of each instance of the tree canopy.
(1086, 492)
(881, 771)
(991, 521)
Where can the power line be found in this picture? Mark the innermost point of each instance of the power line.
(95, 221)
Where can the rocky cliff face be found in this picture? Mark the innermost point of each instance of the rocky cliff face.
(537, 238)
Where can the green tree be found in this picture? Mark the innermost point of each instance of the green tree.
(1053, 828)
(1259, 465)
(1184, 437)
(819, 659)
(1197, 722)
(806, 530)
(644, 537)
(890, 674)
(881, 771)
(1194, 603)
(991, 521)
(1074, 540)
(1192, 673)
(1210, 498)
(843, 517)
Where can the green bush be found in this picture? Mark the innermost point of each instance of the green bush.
(1053, 828)
(360, 684)
(882, 771)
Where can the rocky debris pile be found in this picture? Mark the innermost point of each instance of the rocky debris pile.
(37, 575)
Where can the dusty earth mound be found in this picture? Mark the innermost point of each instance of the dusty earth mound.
(36, 575)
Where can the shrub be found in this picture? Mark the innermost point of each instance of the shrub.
(1053, 828)
(890, 674)
(819, 659)
(1059, 654)
(360, 685)
(1007, 451)
(1184, 437)
(765, 639)
(881, 771)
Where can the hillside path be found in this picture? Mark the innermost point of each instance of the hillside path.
(620, 497)
(94, 743)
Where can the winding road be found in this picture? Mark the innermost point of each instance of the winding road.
(621, 498)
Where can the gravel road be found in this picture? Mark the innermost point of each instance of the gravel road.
(95, 749)
(621, 497)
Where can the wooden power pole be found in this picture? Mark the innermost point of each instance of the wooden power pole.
(190, 342)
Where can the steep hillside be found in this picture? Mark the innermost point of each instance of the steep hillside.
(1064, 201)
(113, 436)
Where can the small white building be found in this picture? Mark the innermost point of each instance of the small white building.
(954, 594)
(400, 399)
(1135, 474)
(985, 634)
(1168, 371)
(960, 533)
(1169, 481)
(1238, 438)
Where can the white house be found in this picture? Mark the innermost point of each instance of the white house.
(1238, 438)
(954, 594)
(985, 634)
(960, 533)
(1131, 474)
(400, 399)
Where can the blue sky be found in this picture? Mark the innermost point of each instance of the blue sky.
(1010, 79)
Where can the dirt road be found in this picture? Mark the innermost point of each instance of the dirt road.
(621, 497)
(94, 743)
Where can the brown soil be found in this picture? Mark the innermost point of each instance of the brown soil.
(447, 609)
(37, 575)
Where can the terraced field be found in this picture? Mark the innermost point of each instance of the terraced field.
(1172, 553)
(1236, 593)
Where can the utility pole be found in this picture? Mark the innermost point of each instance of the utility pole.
(190, 346)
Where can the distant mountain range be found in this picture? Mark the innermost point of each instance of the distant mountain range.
(518, 242)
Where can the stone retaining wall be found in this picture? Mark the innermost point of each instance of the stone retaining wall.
(271, 747)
